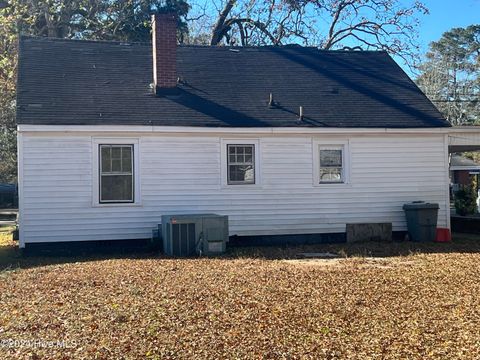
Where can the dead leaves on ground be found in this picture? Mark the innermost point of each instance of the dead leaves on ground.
(419, 307)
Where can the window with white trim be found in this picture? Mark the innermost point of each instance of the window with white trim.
(240, 164)
(331, 165)
(116, 173)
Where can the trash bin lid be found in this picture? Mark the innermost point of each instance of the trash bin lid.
(419, 205)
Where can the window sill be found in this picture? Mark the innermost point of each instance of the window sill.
(102, 205)
(241, 186)
(333, 184)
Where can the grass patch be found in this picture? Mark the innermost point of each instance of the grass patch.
(416, 301)
(13, 258)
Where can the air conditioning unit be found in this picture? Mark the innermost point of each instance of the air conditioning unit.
(187, 235)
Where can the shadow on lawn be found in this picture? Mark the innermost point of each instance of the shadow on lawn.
(11, 257)
(462, 243)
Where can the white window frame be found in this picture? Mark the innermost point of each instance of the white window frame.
(224, 163)
(343, 145)
(104, 175)
(137, 195)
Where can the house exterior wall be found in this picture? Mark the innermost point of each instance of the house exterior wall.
(462, 177)
(182, 173)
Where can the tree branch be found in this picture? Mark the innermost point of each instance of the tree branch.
(219, 28)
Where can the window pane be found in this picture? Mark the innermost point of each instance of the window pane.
(127, 159)
(116, 188)
(106, 156)
(235, 174)
(116, 165)
(116, 159)
(116, 152)
(116, 177)
(241, 169)
(241, 173)
(249, 174)
(331, 158)
(331, 174)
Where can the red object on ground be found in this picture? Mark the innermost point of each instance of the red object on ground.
(443, 235)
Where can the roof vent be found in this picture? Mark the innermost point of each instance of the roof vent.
(300, 116)
(271, 102)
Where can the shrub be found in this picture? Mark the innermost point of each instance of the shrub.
(466, 200)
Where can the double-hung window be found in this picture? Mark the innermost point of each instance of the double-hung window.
(240, 164)
(330, 162)
(331, 167)
(116, 173)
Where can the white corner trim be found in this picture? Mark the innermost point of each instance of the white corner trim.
(21, 197)
(223, 163)
(96, 141)
(344, 144)
(447, 180)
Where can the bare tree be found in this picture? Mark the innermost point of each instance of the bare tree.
(329, 24)
(260, 22)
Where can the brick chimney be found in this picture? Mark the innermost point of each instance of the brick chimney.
(164, 45)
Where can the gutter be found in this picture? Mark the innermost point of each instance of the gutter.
(225, 130)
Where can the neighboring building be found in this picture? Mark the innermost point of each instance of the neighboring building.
(8, 196)
(283, 140)
(462, 171)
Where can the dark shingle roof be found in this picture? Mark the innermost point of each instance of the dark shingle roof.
(78, 82)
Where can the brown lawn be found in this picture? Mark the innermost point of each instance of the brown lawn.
(255, 303)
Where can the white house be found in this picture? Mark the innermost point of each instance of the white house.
(283, 140)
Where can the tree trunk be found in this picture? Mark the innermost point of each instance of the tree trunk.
(218, 29)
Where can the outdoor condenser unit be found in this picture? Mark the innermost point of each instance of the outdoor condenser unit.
(187, 235)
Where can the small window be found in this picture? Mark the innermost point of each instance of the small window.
(116, 173)
(331, 165)
(240, 164)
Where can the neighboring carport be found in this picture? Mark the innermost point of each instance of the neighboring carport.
(464, 138)
(462, 170)
(459, 162)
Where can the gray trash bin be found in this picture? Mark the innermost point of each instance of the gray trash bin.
(421, 220)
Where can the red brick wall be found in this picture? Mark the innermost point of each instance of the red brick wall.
(164, 43)
(463, 177)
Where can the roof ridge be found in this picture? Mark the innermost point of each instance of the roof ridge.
(219, 48)
(56, 39)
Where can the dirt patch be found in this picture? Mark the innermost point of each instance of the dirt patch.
(326, 263)
(367, 262)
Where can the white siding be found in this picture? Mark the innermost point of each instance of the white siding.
(181, 174)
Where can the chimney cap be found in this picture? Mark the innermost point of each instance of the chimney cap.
(165, 15)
